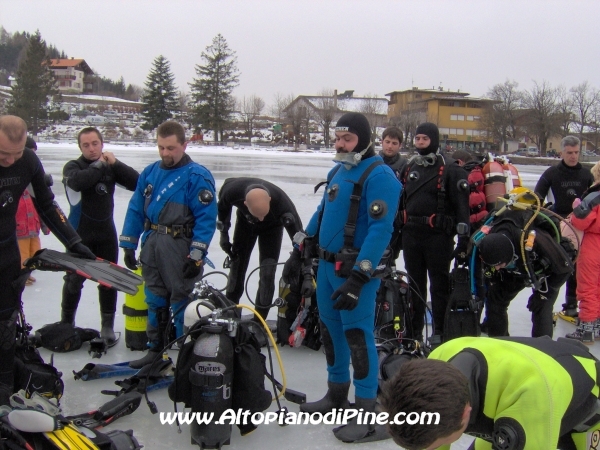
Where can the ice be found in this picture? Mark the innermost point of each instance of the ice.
(297, 174)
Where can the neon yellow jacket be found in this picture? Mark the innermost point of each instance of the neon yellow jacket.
(545, 387)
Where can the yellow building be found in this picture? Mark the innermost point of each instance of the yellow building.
(457, 115)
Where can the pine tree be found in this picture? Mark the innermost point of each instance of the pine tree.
(35, 94)
(160, 99)
(212, 102)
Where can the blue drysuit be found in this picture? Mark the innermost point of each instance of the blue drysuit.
(167, 201)
(349, 334)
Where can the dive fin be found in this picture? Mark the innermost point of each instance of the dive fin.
(103, 272)
(93, 371)
(112, 410)
(69, 438)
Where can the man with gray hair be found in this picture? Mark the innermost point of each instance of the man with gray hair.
(562, 184)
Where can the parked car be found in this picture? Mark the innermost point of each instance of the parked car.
(533, 151)
(521, 153)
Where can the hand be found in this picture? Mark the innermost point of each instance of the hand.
(109, 157)
(346, 296)
(130, 259)
(460, 252)
(81, 250)
(536, 302)
(226, 245)
(576, 203)
(308, 285)
(291, 268)
(192, 268)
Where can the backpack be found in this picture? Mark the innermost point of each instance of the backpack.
(32, 374)
(63, 337)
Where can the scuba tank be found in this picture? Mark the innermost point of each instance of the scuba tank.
(495, 183)
(135, 311)
(513, 180)
(283, 327)
(211, 377)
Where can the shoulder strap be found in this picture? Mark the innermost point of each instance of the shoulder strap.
(350, 227)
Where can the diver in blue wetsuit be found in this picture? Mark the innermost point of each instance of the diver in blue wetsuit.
(174, 210)
(349, 256)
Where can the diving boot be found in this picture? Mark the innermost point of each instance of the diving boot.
(584, 333)
(68, 316)
(107, 321)
(363, 432)
(336, 397)
(150, 356)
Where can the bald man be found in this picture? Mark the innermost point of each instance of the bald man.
(263, 211)
(21, 169)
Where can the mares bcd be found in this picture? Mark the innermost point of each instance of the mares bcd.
(345, 259)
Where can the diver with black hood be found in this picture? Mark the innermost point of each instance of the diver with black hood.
(434, 208)
(350, 232)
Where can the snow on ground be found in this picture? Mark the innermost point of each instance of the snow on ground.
(296, 173)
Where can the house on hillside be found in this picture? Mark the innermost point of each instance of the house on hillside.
(73, 76)
(457, 115)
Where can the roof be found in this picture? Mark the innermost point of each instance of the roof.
(430, 91)
(353, 104)
(63, 63)
(454, 97)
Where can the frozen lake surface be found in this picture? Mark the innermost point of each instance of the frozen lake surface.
(296, 174)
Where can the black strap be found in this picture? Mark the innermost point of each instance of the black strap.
(350, 227)
(329, 178)
(131, 312)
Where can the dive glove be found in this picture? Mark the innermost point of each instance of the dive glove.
(129, 258)
(81, 250)
(192, 268)
(225, 244)
(346, 296)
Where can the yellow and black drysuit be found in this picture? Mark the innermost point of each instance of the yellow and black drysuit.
(526, 393)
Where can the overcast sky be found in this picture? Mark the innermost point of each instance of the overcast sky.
(305, 46)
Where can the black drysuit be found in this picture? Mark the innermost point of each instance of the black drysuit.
(26, 172)
(90, 187)
(430, 218)
(562, 184)
(248, 229)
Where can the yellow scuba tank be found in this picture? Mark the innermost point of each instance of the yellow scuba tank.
(587, 440)
(135, 311)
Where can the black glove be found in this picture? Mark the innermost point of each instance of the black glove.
(129, 258)
(291, 268)
(346, 296)
(225, 244)
(81, 250)
(308, 284)
(536, 302)
(460, 252)
(192, 268)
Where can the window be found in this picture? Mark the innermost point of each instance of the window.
(470, 118)
(418, 95)
(452, 131)
(470, 132)
(444, 131)
(457, 117)
(474, 105)
(460, 131)
(476, 118)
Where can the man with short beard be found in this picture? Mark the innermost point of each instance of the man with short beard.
(174, 210)
(434, 207)
(353, 228)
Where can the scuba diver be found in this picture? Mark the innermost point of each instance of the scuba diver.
(263, 211)
(174, 210)
(518, 247)
(511, 394)
(350, 232)
(90, 183)
(434, 208)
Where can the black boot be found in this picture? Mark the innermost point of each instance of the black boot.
(107, 331)
(68, 316)
(353, 432)
(147, 359)
(336, 397)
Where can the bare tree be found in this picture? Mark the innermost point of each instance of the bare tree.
(326, 110)
(408, 120)
(280, 102)
(585, 99)
(250, 109)
(297, 117)
(500, 118)
(374, 111)
(565, 110)
(542, 121)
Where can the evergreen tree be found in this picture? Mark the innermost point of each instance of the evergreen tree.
(212, 102)
(35, 94)
(160, 100)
